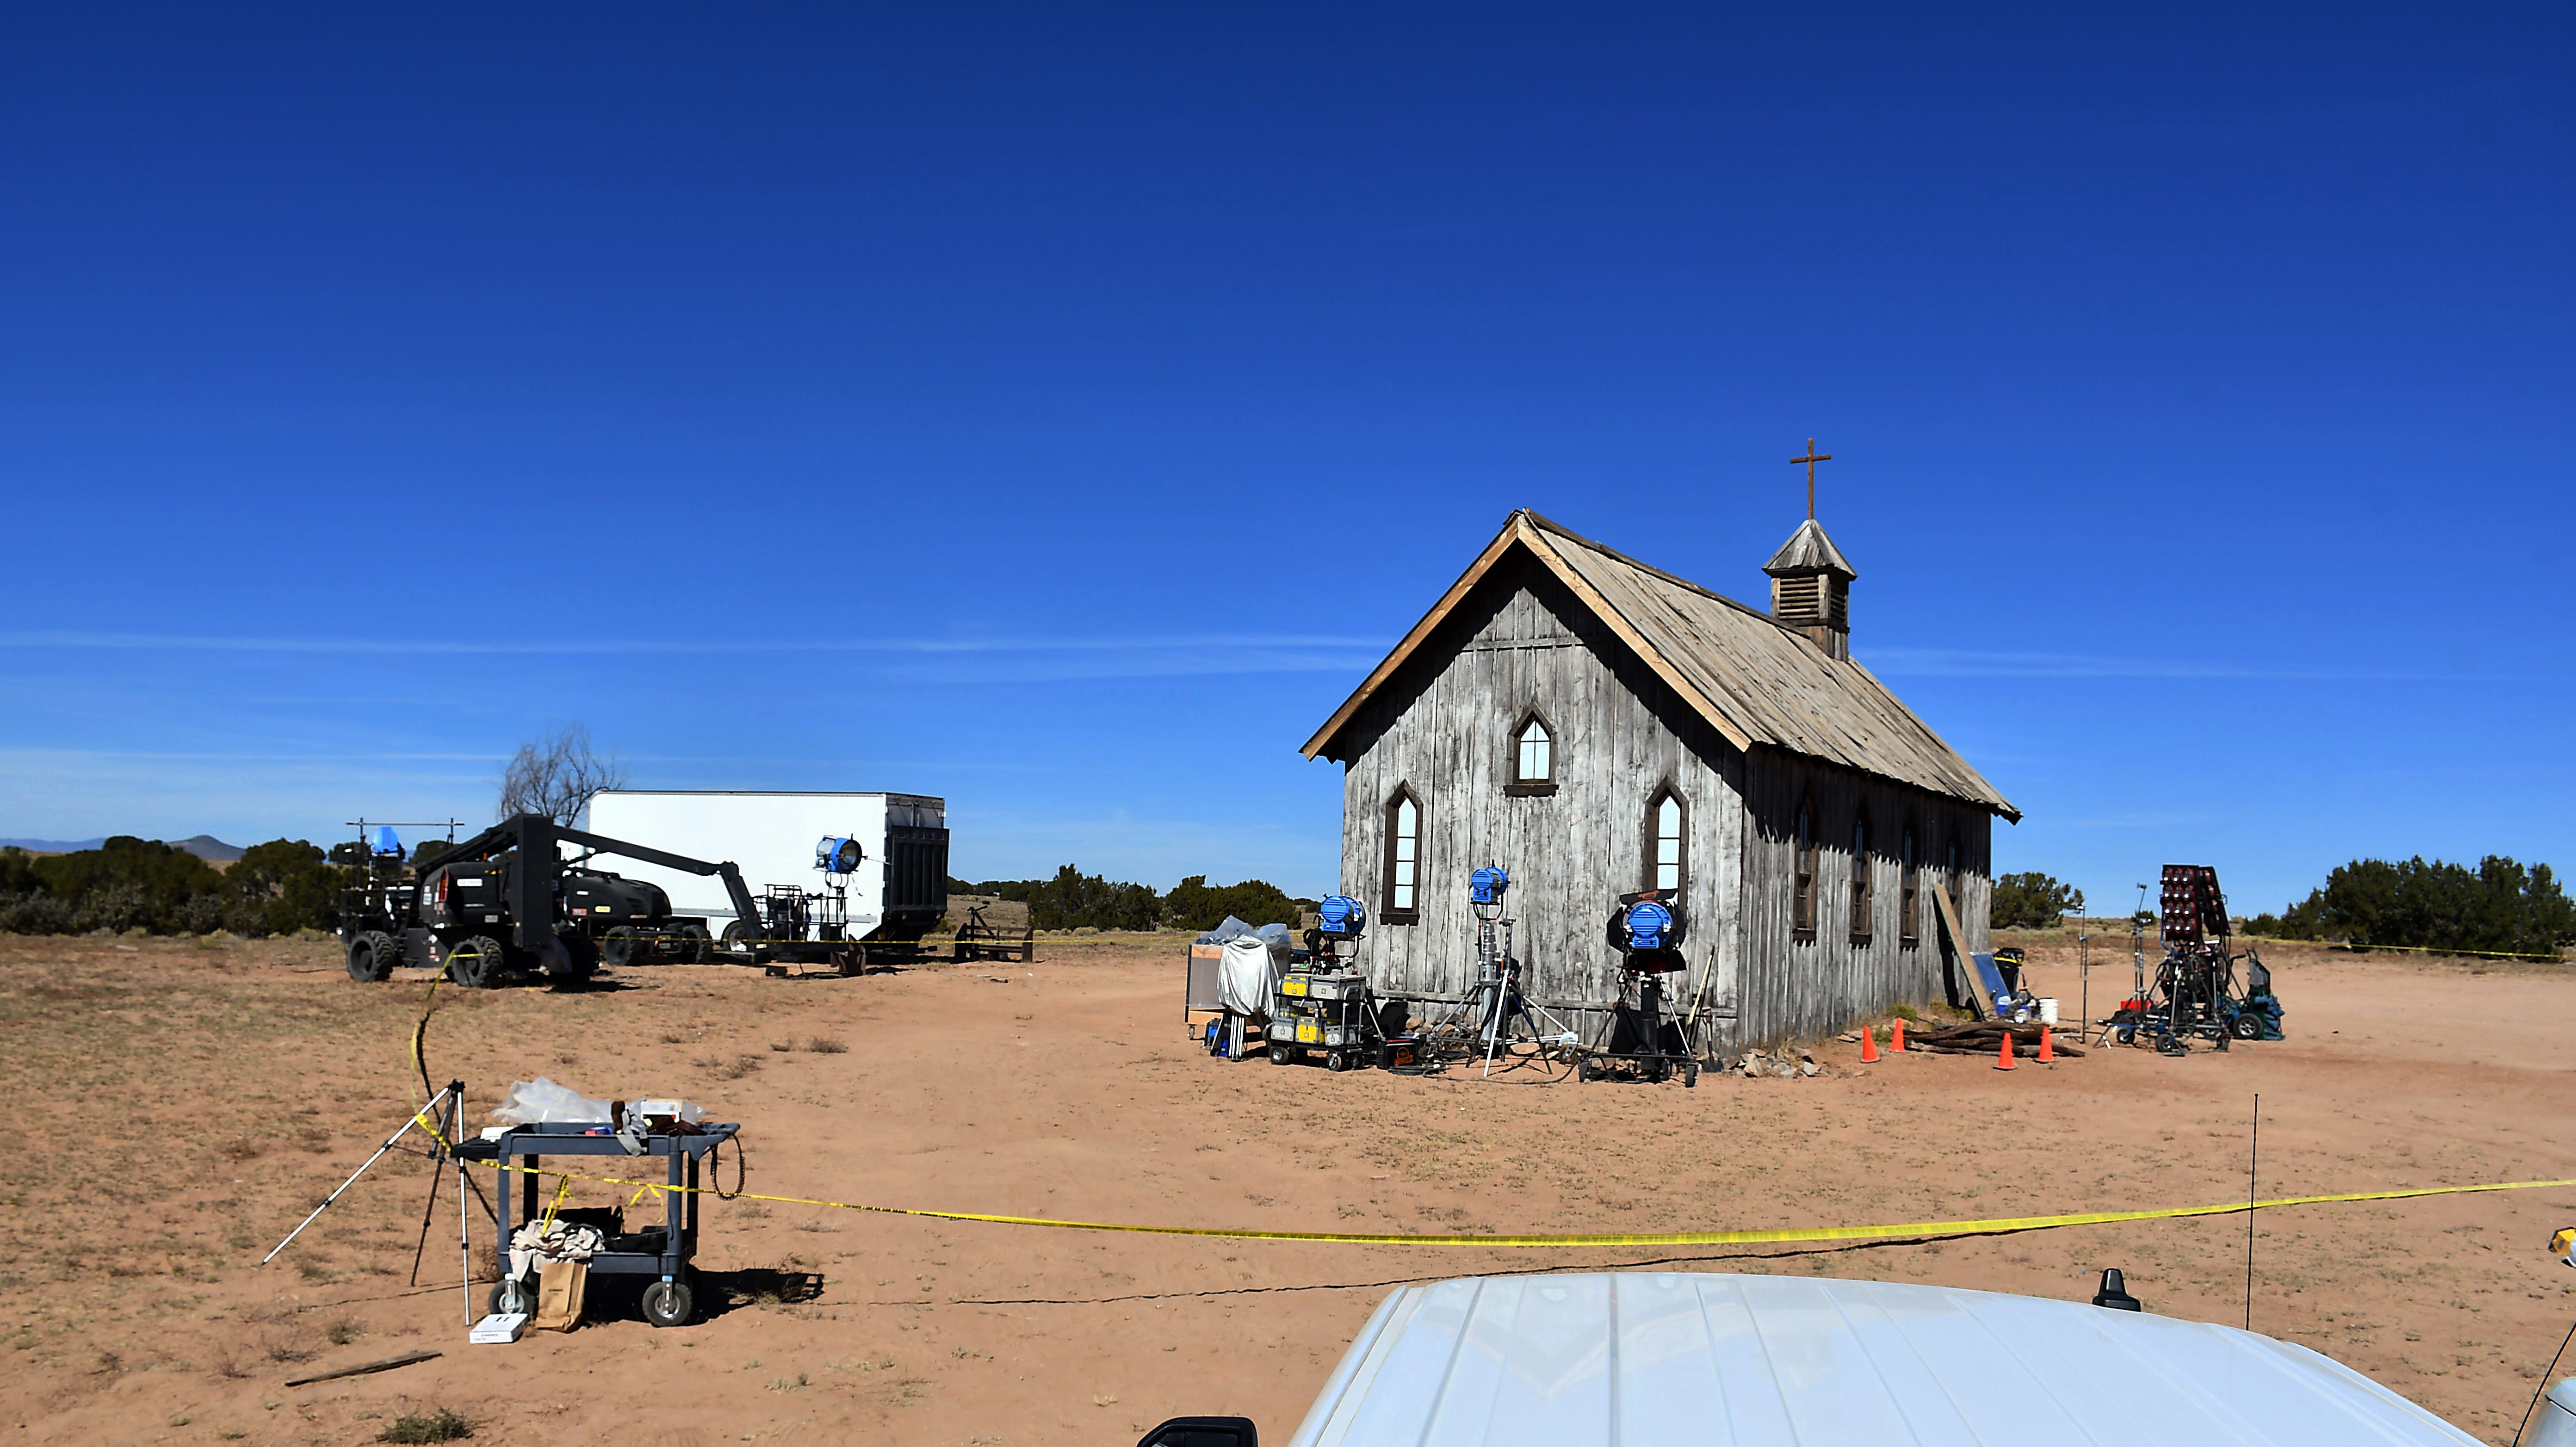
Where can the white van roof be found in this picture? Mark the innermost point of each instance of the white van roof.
(1627, 1359)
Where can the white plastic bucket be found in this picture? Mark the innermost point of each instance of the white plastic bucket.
(2047, 1010)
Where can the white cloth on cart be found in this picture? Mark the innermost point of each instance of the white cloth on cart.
(1248, 978)
(556, 1240)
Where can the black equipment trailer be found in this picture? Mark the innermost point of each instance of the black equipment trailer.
(663, 1250)
(507, 901)
(980, 939)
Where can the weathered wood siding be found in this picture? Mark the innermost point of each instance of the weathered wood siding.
(1444, 731)
(1442, 728)
(1800, 987)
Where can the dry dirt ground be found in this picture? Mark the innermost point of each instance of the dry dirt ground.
(179, 1106)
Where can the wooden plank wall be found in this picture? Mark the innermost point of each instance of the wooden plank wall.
(1444, 730)
(1802, 988)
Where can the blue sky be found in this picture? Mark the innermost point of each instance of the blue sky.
(1060, 411)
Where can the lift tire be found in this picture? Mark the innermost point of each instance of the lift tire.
(698, 947)
(669, 1303)
(1282, 1054)
(620, 948)
(511, 1295)
(476, 962)
(371, 958)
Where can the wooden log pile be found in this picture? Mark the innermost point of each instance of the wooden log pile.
(1985, 1037)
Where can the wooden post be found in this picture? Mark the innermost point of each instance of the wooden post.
(1958, 939)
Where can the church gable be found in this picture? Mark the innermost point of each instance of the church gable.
(1756, 680)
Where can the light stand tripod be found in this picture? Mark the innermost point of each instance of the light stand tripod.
(1493, 1005)
(450, 1104)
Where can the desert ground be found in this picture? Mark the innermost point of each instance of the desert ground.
(181, 1104)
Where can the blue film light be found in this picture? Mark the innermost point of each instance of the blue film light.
(1341, 915)
(1486, 885)
(1648, 924)
(838, 856)
(388, 843)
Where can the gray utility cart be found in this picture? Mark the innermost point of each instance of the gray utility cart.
(663, 1250)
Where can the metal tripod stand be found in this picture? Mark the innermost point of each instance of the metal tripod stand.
(449, 1108)
(1494, 1007)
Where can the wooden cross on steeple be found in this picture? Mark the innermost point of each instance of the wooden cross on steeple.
(1811, 459)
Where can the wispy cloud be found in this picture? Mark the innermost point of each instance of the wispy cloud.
(238, 643)
(1966, 663)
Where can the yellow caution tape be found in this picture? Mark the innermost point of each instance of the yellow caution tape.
(1665, 1238)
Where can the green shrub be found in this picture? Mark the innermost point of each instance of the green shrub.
(1193, 904)
(1075, 900)
(2499, 908)
(2033, 901)
(139, 884)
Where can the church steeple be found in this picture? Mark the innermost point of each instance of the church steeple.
(1811, 588)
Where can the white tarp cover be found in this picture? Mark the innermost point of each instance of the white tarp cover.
(1249, 976)
(1610, 1359)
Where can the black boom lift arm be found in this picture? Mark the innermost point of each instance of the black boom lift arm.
(533, 874)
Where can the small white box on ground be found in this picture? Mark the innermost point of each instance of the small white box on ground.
(500, 1328)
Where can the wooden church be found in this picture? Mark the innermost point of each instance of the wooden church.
(1599, 727)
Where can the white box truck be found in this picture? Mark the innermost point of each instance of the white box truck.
(898, 893)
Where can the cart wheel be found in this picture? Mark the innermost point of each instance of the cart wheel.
(1281, 1054)
(1336, 1062)
(2247, 1026)
(511, 1295)
(1588, 1072)
(475, 962)
(1658, 1072)
(2124, 1035)
(1690, 1075)
(668, 1303)
(852, 961)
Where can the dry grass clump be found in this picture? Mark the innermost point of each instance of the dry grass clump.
(826, 1045)
(443, 1425)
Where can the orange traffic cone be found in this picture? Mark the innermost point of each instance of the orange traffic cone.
(2003, 1055)
(1896, 1037)
(1868, 1046)
(2046, 1055)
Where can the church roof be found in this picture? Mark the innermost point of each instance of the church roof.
(1809, 551)
(1754, 681)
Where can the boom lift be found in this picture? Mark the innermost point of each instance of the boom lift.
(507, 899)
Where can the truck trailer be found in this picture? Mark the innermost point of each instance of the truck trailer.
(897, 893)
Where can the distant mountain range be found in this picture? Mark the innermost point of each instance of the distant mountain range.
(205, 846)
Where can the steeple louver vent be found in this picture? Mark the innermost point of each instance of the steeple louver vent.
(1811, 588)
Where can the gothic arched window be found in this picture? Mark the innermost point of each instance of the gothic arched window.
(1667, 840)
(1403, 858)
(1533, 762)
(1802, 867)
(1862, 903)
